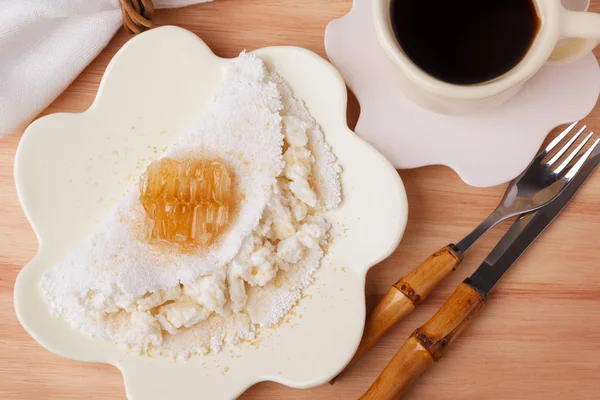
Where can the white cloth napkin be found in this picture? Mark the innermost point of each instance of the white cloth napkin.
(45, 44)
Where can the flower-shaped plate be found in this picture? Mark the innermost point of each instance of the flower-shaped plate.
(71, 168)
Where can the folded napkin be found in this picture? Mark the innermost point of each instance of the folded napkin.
(45, 44)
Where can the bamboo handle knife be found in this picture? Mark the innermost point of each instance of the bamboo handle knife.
(427, 344)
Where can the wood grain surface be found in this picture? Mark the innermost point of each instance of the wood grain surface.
(538, 337)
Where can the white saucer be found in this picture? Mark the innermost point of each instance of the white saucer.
(484, 149)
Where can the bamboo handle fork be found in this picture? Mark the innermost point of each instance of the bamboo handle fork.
(429, 342)
(535, 187)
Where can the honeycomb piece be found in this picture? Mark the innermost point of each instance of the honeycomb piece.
(186, 201)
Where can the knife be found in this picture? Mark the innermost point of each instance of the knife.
(428, 343)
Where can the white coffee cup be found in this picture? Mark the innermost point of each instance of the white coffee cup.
(550, 46)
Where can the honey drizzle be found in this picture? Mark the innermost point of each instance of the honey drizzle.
(186, 201)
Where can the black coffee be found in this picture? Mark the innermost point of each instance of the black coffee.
(465, 41)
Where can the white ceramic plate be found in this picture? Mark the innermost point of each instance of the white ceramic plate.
(485, 149)
(70, 168)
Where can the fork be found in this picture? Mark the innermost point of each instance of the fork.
(535, 187)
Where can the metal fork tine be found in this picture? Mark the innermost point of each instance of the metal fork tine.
(558, 139)
(573, 154)
(581, 161)
(564, 149)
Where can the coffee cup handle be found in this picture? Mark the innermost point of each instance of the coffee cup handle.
(580, 34)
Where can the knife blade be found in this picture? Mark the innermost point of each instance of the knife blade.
(526, 230)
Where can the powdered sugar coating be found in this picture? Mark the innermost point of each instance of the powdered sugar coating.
(256, 275)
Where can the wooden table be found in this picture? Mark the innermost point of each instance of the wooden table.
(538, 338)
